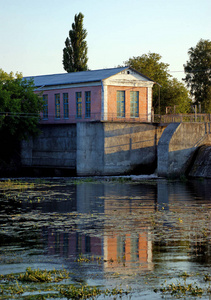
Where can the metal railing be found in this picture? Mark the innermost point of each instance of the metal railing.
(113, 117)
(97, 117)
(181, 118)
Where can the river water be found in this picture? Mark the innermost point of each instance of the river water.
(137, 234)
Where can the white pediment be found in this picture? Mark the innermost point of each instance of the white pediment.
(128, 77)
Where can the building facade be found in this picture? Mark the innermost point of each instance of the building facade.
(115, 94)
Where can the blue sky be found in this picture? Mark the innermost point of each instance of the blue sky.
(33, 32)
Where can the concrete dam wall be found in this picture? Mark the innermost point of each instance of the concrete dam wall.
(202, 163)
(54, 149)
(109, 148)
(177, 146)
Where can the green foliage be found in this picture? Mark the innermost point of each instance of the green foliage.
(19, 106)
(198, 74)
(38, 275)
(75, 51)
(183, 290)
(87, 292)
(81, 292)
(167, 92)
(43, 284)
(150, 65)
(175, 95)
(5, 76)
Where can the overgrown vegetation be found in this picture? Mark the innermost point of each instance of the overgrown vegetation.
(198, 74)
(20, 111)
(41, 284)
(185, 289)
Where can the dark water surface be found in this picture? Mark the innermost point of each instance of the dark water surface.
(137, 235)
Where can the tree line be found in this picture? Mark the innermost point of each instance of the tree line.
(168, 91)
(20, 108)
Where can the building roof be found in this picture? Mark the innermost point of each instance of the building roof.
(77, 77)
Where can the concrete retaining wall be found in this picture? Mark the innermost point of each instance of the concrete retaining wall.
(202, 163)
(109, 148)
(130, 148)
(55, 147)
(90, 149)
(177, 146)
(95, 148)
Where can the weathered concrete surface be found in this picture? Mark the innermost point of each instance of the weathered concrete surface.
(55, 147)
(95, 148)
(177, 145)
(90, 149)
(130, 148)
(111, 148)
(202, 163)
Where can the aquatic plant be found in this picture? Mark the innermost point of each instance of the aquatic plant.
(86, 292)
(80, 292)
(38, 275)
(207, 277)
(185, 289)
(83, 259)
(43, 284)
(185, 275)
(121, 179)
(83, 180)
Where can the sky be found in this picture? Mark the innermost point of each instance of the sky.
(33, 32)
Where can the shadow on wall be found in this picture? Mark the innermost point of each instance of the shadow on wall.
(131, 161)
(201, 166)
(193, 162)
(174, 164)
(131, 148)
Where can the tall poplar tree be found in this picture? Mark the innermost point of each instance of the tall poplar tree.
(75, 51)
(198, 74)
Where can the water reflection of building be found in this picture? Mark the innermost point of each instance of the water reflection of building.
(130, 247)
(122, 236)
(129, 250)
(70, 244)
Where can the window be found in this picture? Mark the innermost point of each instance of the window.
(65, 105)
(120, 104)
(87, 104)
(57, 106)
(134, 104)
(45, 107)
(78, 105)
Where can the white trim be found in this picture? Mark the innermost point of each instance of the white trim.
(104, 102)
(130, 83)
(149, 103)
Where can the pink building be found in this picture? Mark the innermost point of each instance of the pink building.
(107, 94)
